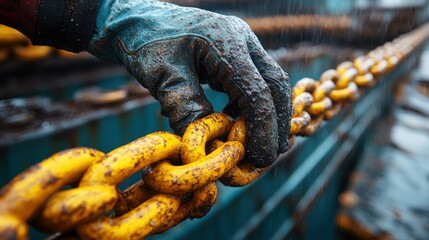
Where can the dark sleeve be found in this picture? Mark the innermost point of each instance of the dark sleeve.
(66, 24)
(19, 14)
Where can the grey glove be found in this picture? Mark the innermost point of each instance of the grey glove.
(171, 50)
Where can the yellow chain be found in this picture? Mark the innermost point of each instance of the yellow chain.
(181, 172)
(298, 23)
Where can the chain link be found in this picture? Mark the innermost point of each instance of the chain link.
(179, 174)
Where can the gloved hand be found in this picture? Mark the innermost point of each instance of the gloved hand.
(171, 50)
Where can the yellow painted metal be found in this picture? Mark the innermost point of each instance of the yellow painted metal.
(200, 132)
(313, 126)
(66, 209)
(322, 90)
(13, 227)
(244, 172)
(345, 94)
(298, 124)
(202, 200)
(31, 53)
(100, 181)
(363, 64)
(132, 197)
(303, 85)
(346, 77)
(128, 159)
(333, 111)
(392, 61)
(10, 35)
(193, 154)
(242, 175)
(365, 80)
(344, 66)
(168, 178)
(379, 68)
(29, 190)
(320, 107)
(135, 224)
(301, 102)
(330, 75)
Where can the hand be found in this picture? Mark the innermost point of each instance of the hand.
(171, 50)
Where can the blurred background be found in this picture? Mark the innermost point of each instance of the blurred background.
(375, 188)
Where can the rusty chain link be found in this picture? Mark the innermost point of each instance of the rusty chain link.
(299, 23)
(179, 173)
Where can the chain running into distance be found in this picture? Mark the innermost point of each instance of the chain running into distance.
(179, 173)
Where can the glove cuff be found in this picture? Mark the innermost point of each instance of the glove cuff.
(66, 24)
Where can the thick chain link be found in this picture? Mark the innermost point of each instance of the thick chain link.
(179, 173)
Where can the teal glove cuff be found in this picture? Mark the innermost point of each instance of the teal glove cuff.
(103, 13)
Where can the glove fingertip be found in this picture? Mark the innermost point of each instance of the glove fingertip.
(283, 147)
(262, 161)
(262, 153)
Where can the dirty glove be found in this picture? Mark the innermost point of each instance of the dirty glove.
(171, 50)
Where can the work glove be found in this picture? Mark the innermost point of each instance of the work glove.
(171, 50)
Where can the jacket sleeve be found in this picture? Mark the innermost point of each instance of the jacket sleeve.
(66, 24)
(20, 15)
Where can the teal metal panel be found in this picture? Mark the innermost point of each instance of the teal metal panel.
(311, 68)
(339, 7)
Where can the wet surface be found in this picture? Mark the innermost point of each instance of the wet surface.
(24, 78)
(390, 188)
(21, 112)
(21, 118)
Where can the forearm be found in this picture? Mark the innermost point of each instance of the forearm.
(66, 24)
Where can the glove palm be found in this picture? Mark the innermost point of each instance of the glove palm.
(171, 50)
